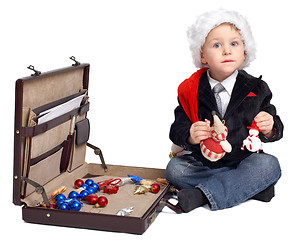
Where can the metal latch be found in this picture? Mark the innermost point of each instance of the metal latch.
(36, 72)
(76, 62)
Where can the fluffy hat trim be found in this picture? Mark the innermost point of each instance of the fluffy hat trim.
(198, 32)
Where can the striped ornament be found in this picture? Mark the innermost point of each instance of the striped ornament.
(212, 150)
(219, 137)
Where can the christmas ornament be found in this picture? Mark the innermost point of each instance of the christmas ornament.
(141, 189)
(104, 183)
(110, 189)
(75, 205)
(253, 142)
(58, 191)
(60, 197)
(146, 182)
(63, 206)
(84, 186)
(162, 181)
(101, 202)
(58, 203)
(91, 199)
(135, 179)
(125, 211)
(120, 181)
(83, 194)
(52, 204)
(91, 190)
(95, 186)
(73, 194)
(89, 182)
(155, 188)
(78, 183)
(216, 146)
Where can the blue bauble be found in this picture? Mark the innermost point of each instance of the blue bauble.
(75, 205)
(95, 186)
(84, 194)
(73, 194)
(60, 197)
(84, 186)
(89, 182)
(91, 190)
(63, 206)
(59, 202)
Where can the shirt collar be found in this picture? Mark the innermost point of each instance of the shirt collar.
(228, 83)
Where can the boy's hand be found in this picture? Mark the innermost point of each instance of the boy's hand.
(265, 123)
(199, 131)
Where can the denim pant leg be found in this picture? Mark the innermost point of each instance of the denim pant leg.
(253, 175)
(225, 187)
(185, 172)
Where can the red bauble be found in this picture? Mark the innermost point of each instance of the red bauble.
(110, 189)
(91, 199)
(155, 188)
(102, 202)
(78, 182)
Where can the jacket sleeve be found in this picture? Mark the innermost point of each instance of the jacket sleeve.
(270, 108)
(180, 130)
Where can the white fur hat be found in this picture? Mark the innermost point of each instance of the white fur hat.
(198, 32)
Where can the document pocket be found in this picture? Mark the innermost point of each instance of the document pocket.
(45, 167)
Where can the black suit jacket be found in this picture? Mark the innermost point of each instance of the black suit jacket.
(250, 96)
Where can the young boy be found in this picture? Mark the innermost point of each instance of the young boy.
(222, 45)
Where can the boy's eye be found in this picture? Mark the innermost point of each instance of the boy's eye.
(234, 44)
(217, 45)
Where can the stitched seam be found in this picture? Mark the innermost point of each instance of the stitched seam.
(186, 168)
(212, 201)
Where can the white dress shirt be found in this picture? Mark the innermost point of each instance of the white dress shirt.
(228, 84)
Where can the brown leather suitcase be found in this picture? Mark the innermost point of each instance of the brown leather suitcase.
(50, 143)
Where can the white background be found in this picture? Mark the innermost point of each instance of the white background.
(139, 54)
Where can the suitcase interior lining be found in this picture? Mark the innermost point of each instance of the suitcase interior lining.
(124, 198)
(39, 92)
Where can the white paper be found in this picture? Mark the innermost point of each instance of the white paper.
(60, 109)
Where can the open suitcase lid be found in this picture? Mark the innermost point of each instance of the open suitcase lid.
(34, 92)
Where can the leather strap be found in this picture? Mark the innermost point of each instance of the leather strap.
(41, 128)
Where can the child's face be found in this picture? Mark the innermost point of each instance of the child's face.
(223, 51)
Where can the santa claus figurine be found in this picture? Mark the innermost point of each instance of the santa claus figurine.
(253, 142)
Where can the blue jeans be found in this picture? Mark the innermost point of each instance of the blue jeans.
(225, 187)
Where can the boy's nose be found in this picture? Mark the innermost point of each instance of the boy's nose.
(227, 50)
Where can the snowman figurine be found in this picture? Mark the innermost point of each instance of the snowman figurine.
(253, 142)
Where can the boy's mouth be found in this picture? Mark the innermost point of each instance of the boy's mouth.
(228, 61)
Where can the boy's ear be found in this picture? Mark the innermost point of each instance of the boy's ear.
(203, 59)
(245, 54)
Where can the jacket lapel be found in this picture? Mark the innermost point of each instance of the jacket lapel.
(245, 83)
(205, 94)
